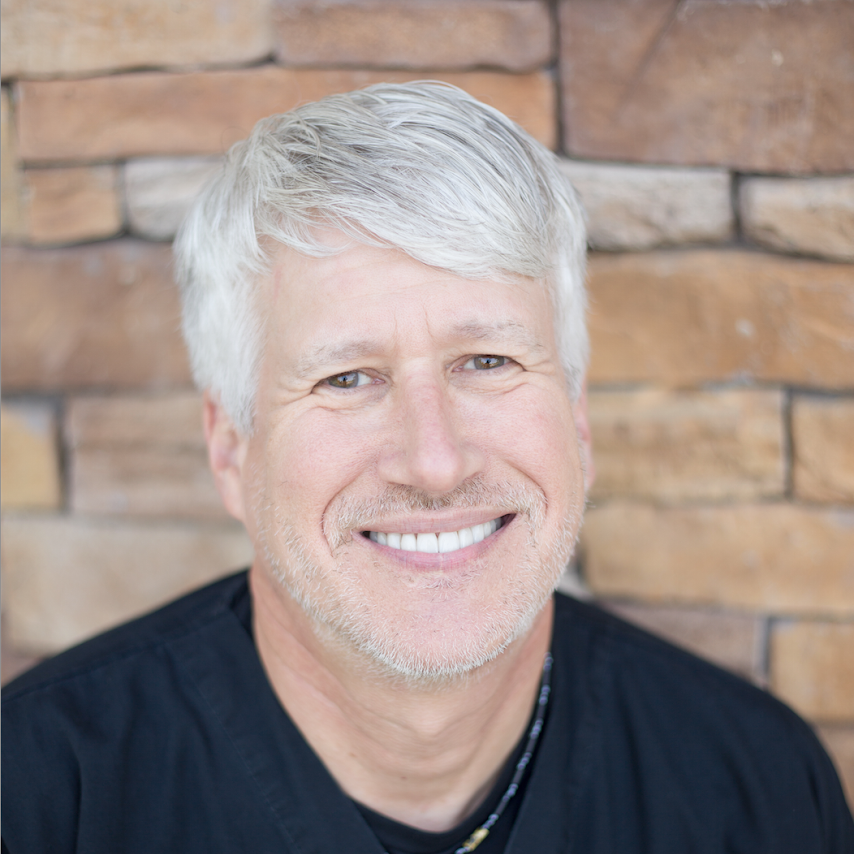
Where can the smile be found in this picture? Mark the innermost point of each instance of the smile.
(441, 543)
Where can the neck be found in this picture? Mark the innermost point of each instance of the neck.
(423, 753)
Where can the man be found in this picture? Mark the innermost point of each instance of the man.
(384, 303)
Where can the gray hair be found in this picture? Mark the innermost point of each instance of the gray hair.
(420, 167)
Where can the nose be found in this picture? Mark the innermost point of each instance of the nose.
(430, 449)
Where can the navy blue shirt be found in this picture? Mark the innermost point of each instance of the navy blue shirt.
(164, 735)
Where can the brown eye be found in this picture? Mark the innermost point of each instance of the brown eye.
(351, 379)
(485, 363)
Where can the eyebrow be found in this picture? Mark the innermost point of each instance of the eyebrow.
(498, 333)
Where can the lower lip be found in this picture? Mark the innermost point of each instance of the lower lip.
(432, 560)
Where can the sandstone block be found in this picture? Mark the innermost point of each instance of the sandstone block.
(839, 741)
(512, 34)
(11, 214)
(729, 640)
(160, 190)
(91, 316)
(30, 457)
(677, 446)
(812, 668)
(823, 445)
(131, 115)
(73, 204)
(753, 85)
(66, 579)
(639, 207)
(812, 216)
(69, 37)
(687, 317)
(777, 558)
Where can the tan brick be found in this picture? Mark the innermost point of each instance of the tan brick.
(813, 216)
(66, 579)
(12, 222)
(839, 741)
(512, 34)
(639, 207)
(129, 115)
(778, 558)
(68, 37)
(29, 469)
(688, 317)
(160, 190)
(72, 204)
(729, 640)
(91, 316)
(755, 85)
(812, 668)
(675, 446)
(165, 421)
(822, 431)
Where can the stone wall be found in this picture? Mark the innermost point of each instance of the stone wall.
(711, 143)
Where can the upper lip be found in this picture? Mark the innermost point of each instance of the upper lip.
(435, 523)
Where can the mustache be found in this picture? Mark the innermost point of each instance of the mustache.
(348, 513)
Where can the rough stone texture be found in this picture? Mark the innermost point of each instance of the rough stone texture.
(755, 85)
(88, 316)
(677, 446)
(169, 420)
(160, 190)
(29, 469)
(686, 317)
(66, 579)
(11, 214)
(67, 37)
(778, 558)
(77, 203)
(839, 741)
(639, 207)
(729, 640)
(129, 115)
(812, 668)
(512, 34)
(823, 446)
(813, 216)
(140, 456)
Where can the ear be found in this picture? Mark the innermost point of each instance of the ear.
(226, 455)
(585, 443)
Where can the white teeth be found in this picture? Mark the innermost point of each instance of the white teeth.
(446, 541)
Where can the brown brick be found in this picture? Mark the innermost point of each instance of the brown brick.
(812, 668)
(688, 317)
(68, 205)
(156, 421)
(90, 316)
(765, 557)
(675, 446)
(30, 457)
(822, 431)
(512, 34)
(754, 85)
(68, 37)
(66, 579)
(729, 640)
(154, 113)
(839, 741)
(812, 216)
(11, 211)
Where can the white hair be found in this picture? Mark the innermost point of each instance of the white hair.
(420, 167)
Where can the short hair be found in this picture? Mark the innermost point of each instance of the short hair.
(420, 167)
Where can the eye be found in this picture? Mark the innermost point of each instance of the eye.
(350, 379)
(485, 363)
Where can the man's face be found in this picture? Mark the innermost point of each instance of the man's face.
(414, 478)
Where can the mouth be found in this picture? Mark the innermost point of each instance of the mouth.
(441, 542)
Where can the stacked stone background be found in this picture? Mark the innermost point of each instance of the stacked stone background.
(713, 146)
